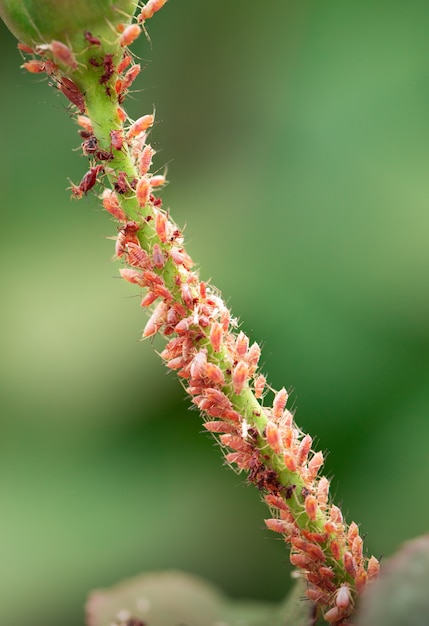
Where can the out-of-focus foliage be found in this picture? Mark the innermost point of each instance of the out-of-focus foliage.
(296, 135)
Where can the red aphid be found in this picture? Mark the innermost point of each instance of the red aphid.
(137, 256)
(314, 465)
(311, 507)
(290, 460)
(219, 426)
(151, 7)
(34, 66)
(279, 402)
(240, 376)
(149, 299)
(129, 35)
(111, 204)
(145, 160)
(161, 226)
(89, 37)
(241, 344)
(215, 374)
(373, 568)
(24, 48)
(273, 436)
(72, 92)
(109, 69)
(304, 449)
(139, 126)
(126, 62)
(130, 76)
(350, 564)
(121, 184)
(116, 139)
(132, 276)
(143, 191)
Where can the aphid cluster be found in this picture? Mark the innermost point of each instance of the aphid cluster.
(216, 363)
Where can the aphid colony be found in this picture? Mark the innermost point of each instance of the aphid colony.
(216, 364)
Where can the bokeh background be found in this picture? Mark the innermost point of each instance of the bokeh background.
(297, 141)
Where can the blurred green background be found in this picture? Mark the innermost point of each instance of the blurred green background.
(297, 138)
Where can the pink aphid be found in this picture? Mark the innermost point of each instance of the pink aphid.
(24, 48)
(34, 66)
(111, 204)
(187, 296)
(311, 507)
(156, 320)
(350, 564)
(290, 460)
(240, 376)
(215, 374)
(314, 465)
(143, 191)
(129, 35)
(259, 385)
(145, 160)
(157, 181)
(137, 256)
(148, 299)
(132, 276)
(158, 256)
(219, 426)
(373, 568)
(151, 7)
(253, 356)
(216, 336)
(161, 226)
(127, 234)
(242, 344)
(63, 54)
(279, 402)
(198, 365)
(116, 139)
(85, 123)
(304, 449)
(273, 436)
(140, 126)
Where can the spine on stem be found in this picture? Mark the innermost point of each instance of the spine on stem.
(215, 361)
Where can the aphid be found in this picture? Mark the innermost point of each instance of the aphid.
(352, 532)
(109, 69)
(240, 376)
(156, 320)
(148, 299)
(157, 181)
(259, 385)
(122, 116)
(349, 564)
(274, 439)
(151, 7)
(24, 48)
(311, 507)
(145, 160)
(93, 41)
(215, 374)
(361, 580)
(137, 256)
(116, 139)
(241, 344)
(132, 276)
(87, 182)
(130, 76)
(121, 184)
(158, 256)
(111, 204)
(333, 615)
(34, 66)
(373, 568)
(161, 226)
(314, 465)
(129, 34)
(140, 125)
(143, 191)
(290, 460)
(300, 560)
(304, 449)
(72, 92)
(216, 334)
(279, 526)
(335, 549)
(219, 426)
(63, 54)
(343, 597)
(253, 356)
(126, 61)
(235, 442)
(126, 236)
(85, 123)
(279, 402)
(323, 491)
(335, 514)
